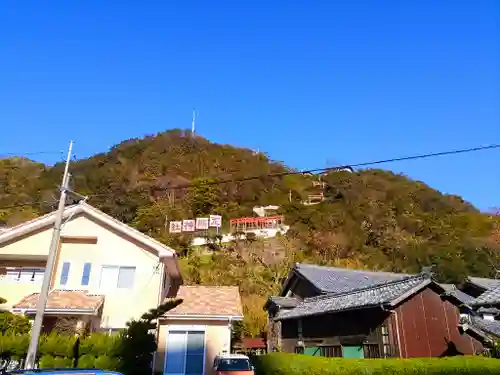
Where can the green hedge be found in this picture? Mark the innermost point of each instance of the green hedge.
(297, 364)
(95, 351)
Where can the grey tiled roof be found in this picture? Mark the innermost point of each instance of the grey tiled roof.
(488, 310)
(339, 280)
(491, 327)
(452, 290)
(285, 302)
(483, 282)
(490, 297)
(382, 294)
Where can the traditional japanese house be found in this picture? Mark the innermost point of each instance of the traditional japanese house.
(485, 323)
(339, 312)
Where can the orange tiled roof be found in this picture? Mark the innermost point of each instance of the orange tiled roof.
(253, 343)
(208, 301)
(64, 300)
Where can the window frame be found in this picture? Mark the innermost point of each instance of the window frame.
(186, 329)
(134, 268)
(86, 277)
(116, 285)
(62, 273)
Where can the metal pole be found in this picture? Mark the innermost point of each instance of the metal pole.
(42, 298)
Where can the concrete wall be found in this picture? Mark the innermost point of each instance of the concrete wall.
(85, 240)
(217, 339)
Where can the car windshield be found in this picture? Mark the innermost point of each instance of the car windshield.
(234, 364)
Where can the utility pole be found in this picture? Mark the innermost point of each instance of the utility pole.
(42, 298)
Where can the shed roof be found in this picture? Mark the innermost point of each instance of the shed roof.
(483, 282)
(340, 280)
(491, 327)
(490, 297)
(208, 302)
(453, 291)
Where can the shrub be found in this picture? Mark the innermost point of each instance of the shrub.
(131, 352)
(13, 347)
(57, 345)
(86, 361)
(46, 361)
(98, 344)
(63, 362)
(296, 364)
(14, 324)
(105, 362)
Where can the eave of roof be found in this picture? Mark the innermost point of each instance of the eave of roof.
(489, 298)
(483, 282)
(63, 301)
(386, 295)
(452, 291)
(281, 302)
(48, 219)
(487, 327)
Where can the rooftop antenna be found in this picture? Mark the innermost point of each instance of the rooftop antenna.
(193, 124)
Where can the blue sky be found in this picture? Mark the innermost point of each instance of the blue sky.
(308, 82)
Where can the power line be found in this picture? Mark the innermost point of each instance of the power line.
(323, 170)
(435, 154)
(27, 204)
(310, 171)
(21, 154)
(20, 205)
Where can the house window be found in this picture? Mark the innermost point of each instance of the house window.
(116, 277)
(64, 273)
(386, 346)
(299, 350)
(331, 351)
(371, 350)
(86, 274)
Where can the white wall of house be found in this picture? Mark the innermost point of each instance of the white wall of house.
(124, 270)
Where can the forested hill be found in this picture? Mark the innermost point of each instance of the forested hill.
(372, 218)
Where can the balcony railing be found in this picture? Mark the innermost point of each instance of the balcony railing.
(23, 276)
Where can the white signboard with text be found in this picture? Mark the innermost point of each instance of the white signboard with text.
(188, 225)
(215, 221)
(175, 226)
(202, 223)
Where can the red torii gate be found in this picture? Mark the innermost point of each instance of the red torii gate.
(244, 224)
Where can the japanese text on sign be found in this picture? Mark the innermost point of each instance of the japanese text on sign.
(202, 223)
(215, 221)
(175, 226)
(188, 225)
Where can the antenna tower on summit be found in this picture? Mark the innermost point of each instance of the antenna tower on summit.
(193, 124)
